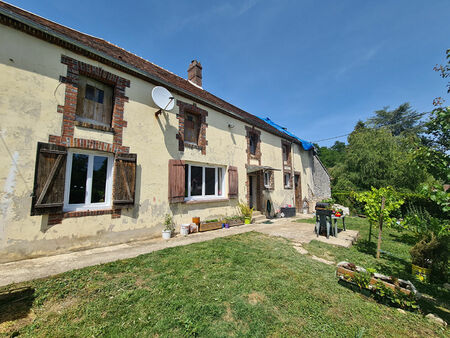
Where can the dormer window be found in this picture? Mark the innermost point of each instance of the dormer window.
(94, 102)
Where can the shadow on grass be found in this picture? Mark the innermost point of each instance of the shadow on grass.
(364, 246)
(16, 304)
(404, 238)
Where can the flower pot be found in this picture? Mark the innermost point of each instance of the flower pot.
(422, 274)
(184, 229)
(247, 220)
(166, 234)
(227, 226)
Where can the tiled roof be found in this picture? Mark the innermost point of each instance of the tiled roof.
(123, 56)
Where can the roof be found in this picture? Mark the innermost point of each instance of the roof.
(70, 38)
(305, 144)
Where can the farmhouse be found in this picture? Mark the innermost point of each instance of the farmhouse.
(90, 160)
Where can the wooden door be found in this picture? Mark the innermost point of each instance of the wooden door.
(298, 192)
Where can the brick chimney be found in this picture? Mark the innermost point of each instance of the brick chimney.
(195, 73)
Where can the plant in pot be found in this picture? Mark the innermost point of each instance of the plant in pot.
(245, 212)
(169, 227)
(429, 256)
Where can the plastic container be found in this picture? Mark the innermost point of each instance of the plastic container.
(184, 229)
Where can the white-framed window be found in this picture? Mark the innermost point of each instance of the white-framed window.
(204, 182)
(267, 179)
(287, 180)
(88, 180)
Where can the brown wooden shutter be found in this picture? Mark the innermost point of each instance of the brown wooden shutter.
(233, 182)
(176, 181)
(49, 179)
(124, 180)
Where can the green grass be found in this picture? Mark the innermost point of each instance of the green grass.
(244, 285)
(394, 261)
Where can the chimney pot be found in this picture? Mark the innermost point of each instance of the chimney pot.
(195, 72)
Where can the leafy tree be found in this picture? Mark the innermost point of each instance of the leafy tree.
(331, 156)
(400, 120)
(380, 204)
(376, 158)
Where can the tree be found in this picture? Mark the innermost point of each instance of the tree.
(379, 206)
(400, 120)
(331, 156)
(376, 158)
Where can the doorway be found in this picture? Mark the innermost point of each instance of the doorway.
(298, 192)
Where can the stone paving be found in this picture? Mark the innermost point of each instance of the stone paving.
(30, 269)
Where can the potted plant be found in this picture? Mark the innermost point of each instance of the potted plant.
(246, 212)
(168, 227)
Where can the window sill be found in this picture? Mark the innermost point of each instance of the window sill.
(71, 214)
(93, 126)
(192, 145)
(211, 200)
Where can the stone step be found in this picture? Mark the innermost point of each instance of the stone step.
(256, 213)
(259, 218)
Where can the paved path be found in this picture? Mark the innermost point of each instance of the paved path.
(29, 269)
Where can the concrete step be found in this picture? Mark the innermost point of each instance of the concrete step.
(256, 213)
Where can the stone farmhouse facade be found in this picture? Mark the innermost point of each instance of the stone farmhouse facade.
(89, 160)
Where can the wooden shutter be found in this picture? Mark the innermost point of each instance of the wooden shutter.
(233, 182)
(176, 181)
(49, 179)
(124, 180)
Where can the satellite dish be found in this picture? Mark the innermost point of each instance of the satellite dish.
(162, 98)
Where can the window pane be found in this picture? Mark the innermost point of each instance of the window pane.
(90, 92)
(210, 181)
(100, 95)
(219, 183)
(99, 179)
(78, 179)
(196, 181)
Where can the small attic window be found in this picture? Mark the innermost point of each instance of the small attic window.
(94, 102)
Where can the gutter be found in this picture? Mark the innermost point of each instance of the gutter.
(148, 76)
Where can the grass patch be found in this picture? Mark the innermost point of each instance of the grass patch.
(395, 260)
(243, 285)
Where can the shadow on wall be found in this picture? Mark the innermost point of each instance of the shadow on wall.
(170, 133)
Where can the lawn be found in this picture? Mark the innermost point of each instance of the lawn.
(243, 285)
(394, 261)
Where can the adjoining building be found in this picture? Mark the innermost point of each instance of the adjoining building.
(89, 160)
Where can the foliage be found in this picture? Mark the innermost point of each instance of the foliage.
(168, 223)
(332, 155)
(376, 158)
(348, 199)
(372, 206)
(362, 279)
(445, 70)
(401, 120)
(422, 224)
(432, 252)
(433, 153)
(244, 210)
(395, 297)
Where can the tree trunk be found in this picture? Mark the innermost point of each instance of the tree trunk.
(383, 201)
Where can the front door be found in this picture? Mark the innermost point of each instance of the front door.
(251, 192)
(298, 192)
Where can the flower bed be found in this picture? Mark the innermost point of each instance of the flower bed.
(388, 290)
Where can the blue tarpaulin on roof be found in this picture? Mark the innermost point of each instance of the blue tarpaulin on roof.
(305, 144)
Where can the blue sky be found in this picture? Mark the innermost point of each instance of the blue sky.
(316, 67)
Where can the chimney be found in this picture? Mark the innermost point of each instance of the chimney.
(195, 73)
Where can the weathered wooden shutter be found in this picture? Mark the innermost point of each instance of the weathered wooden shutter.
(124, 180)
(176, 181)
(233, 182)
(49, 179)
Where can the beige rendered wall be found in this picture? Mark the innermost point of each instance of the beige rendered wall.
(30, 92)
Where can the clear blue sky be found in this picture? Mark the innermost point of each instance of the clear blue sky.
(316, 67)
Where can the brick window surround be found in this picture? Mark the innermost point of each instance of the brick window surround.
(76, 68)
(184, 108)
(287, 166)
(257, 156)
